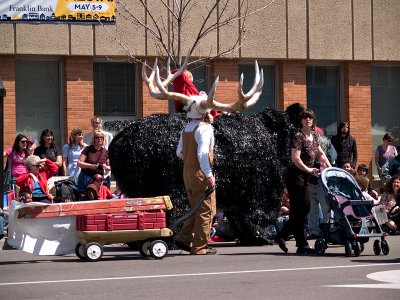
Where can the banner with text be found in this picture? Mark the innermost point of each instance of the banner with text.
(71, 11)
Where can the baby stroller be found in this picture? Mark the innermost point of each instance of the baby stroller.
(351, 223)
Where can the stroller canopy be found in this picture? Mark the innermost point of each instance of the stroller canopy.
(340, 182)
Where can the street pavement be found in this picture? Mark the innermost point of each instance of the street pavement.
(236, 272)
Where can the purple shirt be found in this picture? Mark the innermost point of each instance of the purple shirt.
(383, 156)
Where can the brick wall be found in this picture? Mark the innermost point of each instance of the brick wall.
(7, 75)
(150, 105)
(357, 78)
(79, 94)
(228, 83)
(292, 83)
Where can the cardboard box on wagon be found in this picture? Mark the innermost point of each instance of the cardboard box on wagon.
(160, 203)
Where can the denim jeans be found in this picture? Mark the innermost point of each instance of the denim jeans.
(1, 225)
(318, 208)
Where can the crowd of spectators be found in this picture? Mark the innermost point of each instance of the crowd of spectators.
(33, 163)
(85, 160)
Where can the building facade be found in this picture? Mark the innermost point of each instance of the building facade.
(340, 58)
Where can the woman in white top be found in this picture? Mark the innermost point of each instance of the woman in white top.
(71, 153)
(384, 152)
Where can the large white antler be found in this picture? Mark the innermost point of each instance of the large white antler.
(161, 90)
(245, 101)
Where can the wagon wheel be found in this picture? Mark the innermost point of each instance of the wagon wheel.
(158, 249)
(377, 247)
(80, 251)
(93, 251)
(144, 248)
(347, 248)
(319, 247)
(385, 247)
(356, 248)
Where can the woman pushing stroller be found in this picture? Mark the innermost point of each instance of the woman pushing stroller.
(305, 151)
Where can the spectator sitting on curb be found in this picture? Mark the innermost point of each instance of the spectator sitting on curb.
(97, 190)
(363, 182)
(347, 166)
(362, 170)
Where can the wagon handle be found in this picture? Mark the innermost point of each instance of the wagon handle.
(192, 210)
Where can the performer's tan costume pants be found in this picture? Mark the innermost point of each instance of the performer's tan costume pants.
(196, 230)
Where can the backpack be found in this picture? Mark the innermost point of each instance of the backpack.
(67, 191)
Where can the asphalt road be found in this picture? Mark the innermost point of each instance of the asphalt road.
(234, 273)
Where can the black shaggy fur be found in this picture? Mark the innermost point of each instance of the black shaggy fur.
(251, 155)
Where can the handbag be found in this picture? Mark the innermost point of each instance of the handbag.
(8, 183)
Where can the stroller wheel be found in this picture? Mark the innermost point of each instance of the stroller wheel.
(319, 247)
(356, 248)
(377, 247)
(385, 247)
(347, 248)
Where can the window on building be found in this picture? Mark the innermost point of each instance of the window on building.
(268, 96)
(385, 108)
(200, 80)
(114, 91)
(323, 96)
(38, 98)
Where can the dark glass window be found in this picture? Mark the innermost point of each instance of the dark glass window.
(385, 105)
(114, 90)
(323, 96)
(267, 98)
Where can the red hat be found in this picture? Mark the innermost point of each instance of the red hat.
(182, 84)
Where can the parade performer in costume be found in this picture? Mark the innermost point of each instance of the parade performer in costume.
(196, 145)
(184, 84)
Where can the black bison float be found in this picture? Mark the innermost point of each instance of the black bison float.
(251, 155)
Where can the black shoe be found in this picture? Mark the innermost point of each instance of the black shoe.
(182, 246)
(313, 236)
(307, 250)
(1, 236)
(281, 243)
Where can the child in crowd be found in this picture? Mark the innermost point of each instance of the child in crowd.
(25, 196)
(97, 190)
(363, 182)
(118, 194)
(362, 170)
(347, 166)
(284, 211)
